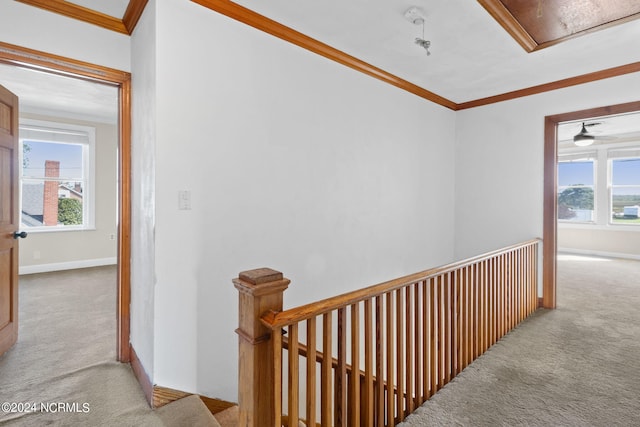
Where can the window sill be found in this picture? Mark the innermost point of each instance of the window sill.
(44, 230)
(593, 226)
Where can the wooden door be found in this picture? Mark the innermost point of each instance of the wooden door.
(9, 219)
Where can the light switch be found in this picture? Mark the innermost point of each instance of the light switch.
(184, 200)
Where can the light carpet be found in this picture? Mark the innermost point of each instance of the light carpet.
(578, 365)
(66, 354)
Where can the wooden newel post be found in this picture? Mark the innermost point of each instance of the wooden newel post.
(261, 291)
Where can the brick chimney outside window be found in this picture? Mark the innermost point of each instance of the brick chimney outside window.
(50, 205)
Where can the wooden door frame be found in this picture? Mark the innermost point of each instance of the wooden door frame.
(550, 232)
(28, 58)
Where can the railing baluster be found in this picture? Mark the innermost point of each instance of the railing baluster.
(367, 390)
(293, 375)
(426, 340)
(390, 362)
(379, 398)
(409, 371)
(435, 335)
(400, 354)
(277, 378)
(311, 372)
(446, 308)
(418, 355)
(341, 371)
(354, 393)
(326, 409)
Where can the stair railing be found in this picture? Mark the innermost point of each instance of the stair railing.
(372, 356)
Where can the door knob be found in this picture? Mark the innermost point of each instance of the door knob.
(21, 234)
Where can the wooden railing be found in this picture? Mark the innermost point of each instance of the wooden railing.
(372, 356)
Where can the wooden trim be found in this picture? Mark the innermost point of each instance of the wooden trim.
(275, 319)
(141, 376)
(133, 13)
(29, 58)
(501, 14)
(34, 59)
(262, 23)
(559, 84)
(81, 13)
(124, 222)
(549, 232)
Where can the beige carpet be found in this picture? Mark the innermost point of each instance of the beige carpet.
(578, 365)
(66, 354)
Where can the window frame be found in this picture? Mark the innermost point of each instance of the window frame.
(634, 154)
(88, 165)
(589, 156)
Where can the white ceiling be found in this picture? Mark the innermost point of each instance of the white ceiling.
(609, 130)
(472, 56)
(44, 93)
(115, 8)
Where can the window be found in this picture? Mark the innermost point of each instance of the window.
(56, 176)
(625, 186)
(576, 190)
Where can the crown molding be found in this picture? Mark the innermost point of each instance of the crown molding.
(125, 25)
(262, 23)
(634, 67)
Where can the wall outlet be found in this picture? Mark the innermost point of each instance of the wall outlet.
(112, 237)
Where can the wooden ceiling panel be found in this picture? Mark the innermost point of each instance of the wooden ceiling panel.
(542, 23)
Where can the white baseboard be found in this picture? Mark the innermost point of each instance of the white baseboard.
(598, 253)
(70, 265)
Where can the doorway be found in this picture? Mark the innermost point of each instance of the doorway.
(121, 81)
(550, 228)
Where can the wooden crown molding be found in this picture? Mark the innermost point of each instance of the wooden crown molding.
(133, 13)
(79, 12)
(559, 84)
(125, 25)
(262, 23)
(501, 14)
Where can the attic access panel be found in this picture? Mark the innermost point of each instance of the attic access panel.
(542, 23)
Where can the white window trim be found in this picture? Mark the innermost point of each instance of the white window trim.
(602, 180)
(89, 162)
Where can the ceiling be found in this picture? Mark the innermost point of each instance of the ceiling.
(475, 49)
(615, 129)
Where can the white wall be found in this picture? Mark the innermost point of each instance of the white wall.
(293, 162)
(143, 209)
(61, 250)
(35, 28)
(499, 162)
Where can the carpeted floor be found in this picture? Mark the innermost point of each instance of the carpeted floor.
(578, 365)
(66, 354)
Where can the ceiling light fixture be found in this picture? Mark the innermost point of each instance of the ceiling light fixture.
(583, 139)
(415, 15)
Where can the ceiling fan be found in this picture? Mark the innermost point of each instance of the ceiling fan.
(584, 138)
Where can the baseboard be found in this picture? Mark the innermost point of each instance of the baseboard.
(70, 265)
(164, 395)
(598, 253)
(141, 376)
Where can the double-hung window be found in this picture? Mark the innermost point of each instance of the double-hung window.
(625, 186)
(57, 183)
(576, 187)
